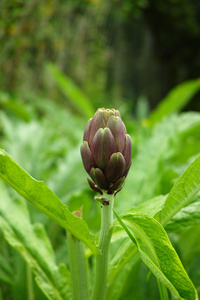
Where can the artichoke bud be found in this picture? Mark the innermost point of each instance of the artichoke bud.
(106, 151)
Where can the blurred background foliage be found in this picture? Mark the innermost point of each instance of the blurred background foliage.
(60, 61)
(115, 51)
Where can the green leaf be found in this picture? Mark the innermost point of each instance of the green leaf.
(19, 109)
(76, 97)
(175, 100)
(154, 154)
(47, 282)
(150, 207)
(189, 248)
(182, 193)
(127, 250)
(148, 164)
(33, 244)
(5, 271)
(125, 253)
(116, 284)
(158, 254)
(65, 181)
(189, 124)
(44, 199)
(186, 217)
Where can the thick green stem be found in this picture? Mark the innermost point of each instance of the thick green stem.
(100, 283)
(78, 269)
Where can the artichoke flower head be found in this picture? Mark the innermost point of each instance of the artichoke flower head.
(106, 151)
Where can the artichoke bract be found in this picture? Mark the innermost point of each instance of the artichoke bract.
(106, 151)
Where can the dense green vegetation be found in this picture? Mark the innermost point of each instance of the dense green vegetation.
(44, 138)
(60, 61)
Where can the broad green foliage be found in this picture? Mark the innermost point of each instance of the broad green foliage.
(76, 97)
(43, 198)
(181, 195)
(12, 104)
(123, 255)
(187, 217)
(160, 196)
(155, 153)
(150, 206)
(120, 274)
(175, 100)
(158, 254)
(5, 269)
(64, 182)
(33, 244)
(182, 192)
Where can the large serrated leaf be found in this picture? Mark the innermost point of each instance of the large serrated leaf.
(150, 207)
(158, 254)
(181, 194)
(128, 251)
(33, 244)
(44, 199)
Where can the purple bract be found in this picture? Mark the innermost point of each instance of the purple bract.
(106, 151)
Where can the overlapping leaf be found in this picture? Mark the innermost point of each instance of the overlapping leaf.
(44, 199)
(158, 254)
(187, 217)
(33, 244)
(182, 193)
(144, 179)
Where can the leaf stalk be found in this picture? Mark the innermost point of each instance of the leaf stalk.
(77, 263)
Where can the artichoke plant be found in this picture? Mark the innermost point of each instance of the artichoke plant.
(106, 151)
